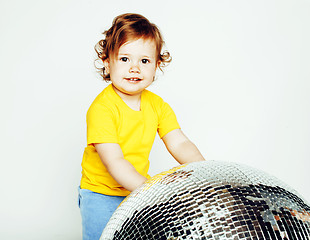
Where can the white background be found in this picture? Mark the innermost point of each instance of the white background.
(239, 84)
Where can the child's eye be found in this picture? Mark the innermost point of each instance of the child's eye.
(124, 59)
(144, 61)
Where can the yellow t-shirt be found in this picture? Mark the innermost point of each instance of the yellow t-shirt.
(110, 120)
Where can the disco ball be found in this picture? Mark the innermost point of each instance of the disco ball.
(211, 200)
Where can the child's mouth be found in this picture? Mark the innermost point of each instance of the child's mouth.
(133, 79)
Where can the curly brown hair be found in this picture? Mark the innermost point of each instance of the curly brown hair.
(127, 27)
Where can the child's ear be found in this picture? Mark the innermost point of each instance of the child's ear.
(158, 64)
(106, 66)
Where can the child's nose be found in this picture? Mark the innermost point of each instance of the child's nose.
(134, 68)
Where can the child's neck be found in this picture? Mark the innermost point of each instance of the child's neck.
(132, 101)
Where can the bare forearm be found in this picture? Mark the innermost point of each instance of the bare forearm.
(119, 168)
(126, 175)
(187, 152)
(181, 148)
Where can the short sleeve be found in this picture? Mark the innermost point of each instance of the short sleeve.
(101, 125)
(167, 120)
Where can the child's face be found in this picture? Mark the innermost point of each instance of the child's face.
(133, 68)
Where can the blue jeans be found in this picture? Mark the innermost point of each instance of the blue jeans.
(96, 210)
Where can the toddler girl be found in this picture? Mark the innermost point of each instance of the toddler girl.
(123, 120)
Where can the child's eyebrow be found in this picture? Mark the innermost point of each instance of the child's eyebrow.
(123, 54)
(127, 54)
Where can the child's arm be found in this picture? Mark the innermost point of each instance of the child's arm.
(119, 168)
(181, 148)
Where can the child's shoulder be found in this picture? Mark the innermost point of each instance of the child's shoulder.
(153, 97)
(104, 99)
(156, 102)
